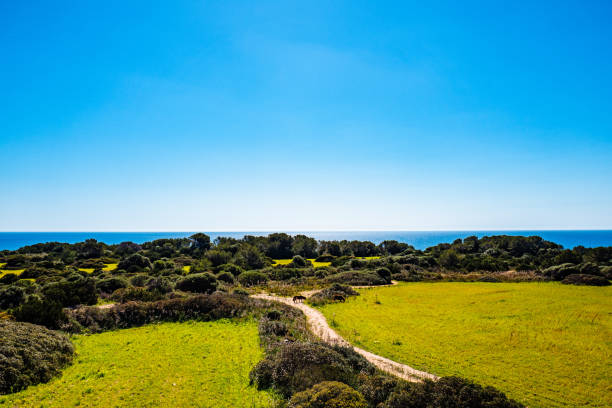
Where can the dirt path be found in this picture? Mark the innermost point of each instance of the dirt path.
(318, 325)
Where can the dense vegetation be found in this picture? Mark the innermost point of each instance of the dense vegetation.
(544, 344)
(57, 285)
(30, 354)
(39, 281)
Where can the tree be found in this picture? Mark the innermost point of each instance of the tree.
(304, 246)
(201, 241)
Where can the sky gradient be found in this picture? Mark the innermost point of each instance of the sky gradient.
(199, 115)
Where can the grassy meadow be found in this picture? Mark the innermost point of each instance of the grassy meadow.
(544, 344)
(193, 364)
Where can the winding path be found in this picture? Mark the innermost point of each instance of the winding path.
(318, 325)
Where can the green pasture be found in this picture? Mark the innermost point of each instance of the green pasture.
(193, 364)
(543, 344)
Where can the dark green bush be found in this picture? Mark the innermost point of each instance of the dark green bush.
(251, 278)
(559, 272)
(9, 278)
(489, 278)
(111, 284)
(231, 268)
(284, 273)
(134, 263)
(449, 392)
(328, 394)
(325, 258)
(226, 277)
(11, 296)
(357, 278)
(72, 291)
(160, 284)
(384, 273)
(40, 310)
(30, 354)
(198, 283)
(377, 388)
(130, 314)
(586, 280)
(131, 293)
(298, 366)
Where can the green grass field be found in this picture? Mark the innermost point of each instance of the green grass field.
(193, 364)
(544, 344)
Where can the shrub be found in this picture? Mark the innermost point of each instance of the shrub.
(377, 388)
(139, 280)
(9, 278)
(328, 394)
(130, 314)
(298, 366)
(198, 283)
(129, 294)
(284, 273)
(225, 277)
(586, 280)
(326, 295)
(251, 278)
(325, 258)
(34, 273)
(11, 296)
(489, 278)
(231, 268)
(606, 271)
(449, 392)
(39, 310)
(30, 354)
(111, 284)
(273, 315)
(384, 273)
(589, 268)
(357, 278)
(134, 263)
(72, 291)
(272, 327)
(240, 292)
(559, 272)
(160, 284)
(299, 262)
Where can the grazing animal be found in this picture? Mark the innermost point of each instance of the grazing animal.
(298, 298)
(339, 298)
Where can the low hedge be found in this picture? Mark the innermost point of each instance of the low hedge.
(130, 314)
(585, 280)
(30, 354)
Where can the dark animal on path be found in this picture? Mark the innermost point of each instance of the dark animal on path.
(298, 298)
(339, 298)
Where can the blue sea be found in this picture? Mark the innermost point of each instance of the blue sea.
(419, 239)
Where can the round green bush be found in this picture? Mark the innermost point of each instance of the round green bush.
(328, 394)
(198, 283)
(30, 354)
(251, 278)
(225, 277)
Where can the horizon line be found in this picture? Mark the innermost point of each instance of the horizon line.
(315, 230)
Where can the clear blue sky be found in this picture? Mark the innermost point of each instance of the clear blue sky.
(220, 115)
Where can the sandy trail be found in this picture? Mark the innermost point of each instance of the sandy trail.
(318, 325)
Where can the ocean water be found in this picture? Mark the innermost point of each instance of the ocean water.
(419, 239)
